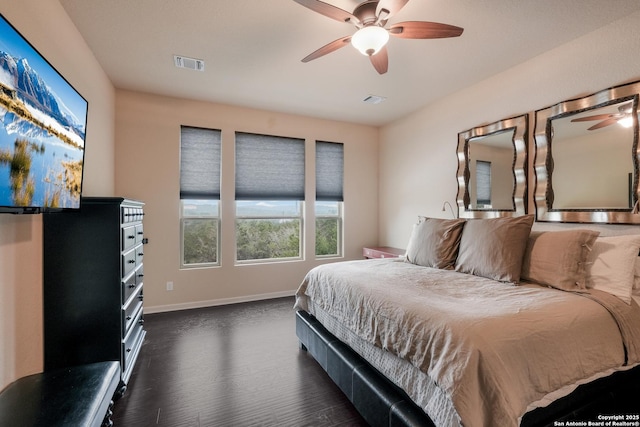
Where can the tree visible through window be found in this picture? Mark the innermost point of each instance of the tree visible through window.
(328, 228)
(200, 225)
(268, 229)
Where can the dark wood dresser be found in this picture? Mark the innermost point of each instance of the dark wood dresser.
(93, 285)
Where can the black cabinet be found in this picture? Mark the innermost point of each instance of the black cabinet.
(93, 284)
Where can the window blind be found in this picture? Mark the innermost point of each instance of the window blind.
(329, 171)
(483, 182)
(269, 167)
(199, 163)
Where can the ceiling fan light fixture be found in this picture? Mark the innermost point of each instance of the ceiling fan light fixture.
(626, 121)
(369, 40)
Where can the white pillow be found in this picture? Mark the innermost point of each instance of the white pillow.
(611, 266)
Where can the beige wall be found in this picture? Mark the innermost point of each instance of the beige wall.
(148, 168)
(418, 153)
(46, 25)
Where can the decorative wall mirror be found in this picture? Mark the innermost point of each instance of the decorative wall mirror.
(586, 158)
(492, 165)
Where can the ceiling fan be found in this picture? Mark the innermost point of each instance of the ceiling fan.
(370, 17)
(624, 116)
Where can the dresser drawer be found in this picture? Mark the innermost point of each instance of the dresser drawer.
(139, 254)
(131, 344)
(128, 262)
(139, 233)
(129, 286)
(128, 237)
(140, 274)
(130, 312)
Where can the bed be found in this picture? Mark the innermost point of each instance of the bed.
(482, 323)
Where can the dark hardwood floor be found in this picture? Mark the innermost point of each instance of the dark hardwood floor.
(235, 365)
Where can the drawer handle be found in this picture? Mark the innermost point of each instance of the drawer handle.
(140, 297)
(132, 285)
(131, 236)
(128, 317)
(128, 350)
(140, 253)
(141, 322)
(140, 233)
(132, 261)
(140, 275)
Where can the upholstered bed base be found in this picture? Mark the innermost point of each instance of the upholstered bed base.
(379, 401)
(382, 403)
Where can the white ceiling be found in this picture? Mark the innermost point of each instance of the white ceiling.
(252, 50)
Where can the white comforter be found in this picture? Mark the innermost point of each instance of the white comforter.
(493, 347)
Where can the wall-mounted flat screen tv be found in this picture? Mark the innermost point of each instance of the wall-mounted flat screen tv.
(42, 131)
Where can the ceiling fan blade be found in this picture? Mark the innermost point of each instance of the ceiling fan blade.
(328, 48)
(328, 10)
(604, 123)
(380, 60)
(596, 117)
(388, 8)
(424, 30)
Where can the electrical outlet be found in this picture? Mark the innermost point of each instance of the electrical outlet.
(169, 286)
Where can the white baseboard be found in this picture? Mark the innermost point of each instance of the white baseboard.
(213, 303)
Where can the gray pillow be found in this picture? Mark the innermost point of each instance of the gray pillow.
(434, 242)
(494, 248)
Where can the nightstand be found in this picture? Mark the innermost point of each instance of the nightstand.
(382, 252)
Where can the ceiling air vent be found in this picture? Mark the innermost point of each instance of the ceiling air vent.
(374, 99)
(189, 63)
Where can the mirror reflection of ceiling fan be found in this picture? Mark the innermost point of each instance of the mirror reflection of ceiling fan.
(370, 17)
(624, 117)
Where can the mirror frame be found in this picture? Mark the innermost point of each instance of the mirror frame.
(543, 158)
(519, 124)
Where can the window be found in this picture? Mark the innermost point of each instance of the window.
(329, 198)
(199, 196)
(269, 193)
(483, 186)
